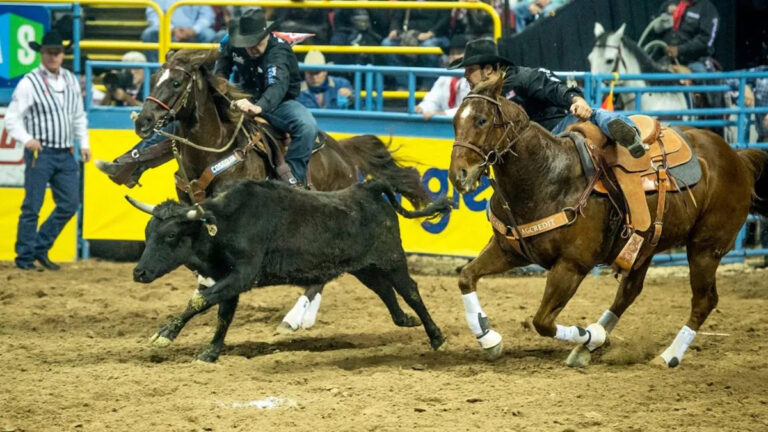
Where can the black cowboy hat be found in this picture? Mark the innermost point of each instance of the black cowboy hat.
(480, 52)
(251, 29)
(458, 42)
(52, 39)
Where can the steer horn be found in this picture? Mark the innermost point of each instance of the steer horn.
(146, 208)
(195, 213)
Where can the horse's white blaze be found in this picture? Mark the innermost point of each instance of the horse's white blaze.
(310, 315)
(466, 112)
(673, 355)
(164, 76)
(295, 315)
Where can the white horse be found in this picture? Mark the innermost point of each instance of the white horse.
(613, 52)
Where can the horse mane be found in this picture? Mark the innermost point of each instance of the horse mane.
(204, 61)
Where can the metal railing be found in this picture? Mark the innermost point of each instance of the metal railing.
(165, 28)
(368, 85)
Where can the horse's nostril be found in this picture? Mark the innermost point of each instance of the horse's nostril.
(463, 173)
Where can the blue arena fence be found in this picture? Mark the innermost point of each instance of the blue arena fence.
(371, 79)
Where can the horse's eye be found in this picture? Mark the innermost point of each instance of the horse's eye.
(481, 121)
(609, 61)
(176, 84)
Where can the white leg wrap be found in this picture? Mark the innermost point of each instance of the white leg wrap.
(294, 316)
(205, 281)
(489, 340)
(608, 320)
(474, 312)
(572, 334)
(674, 354)
(310, 316)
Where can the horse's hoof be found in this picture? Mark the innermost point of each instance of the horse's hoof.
(579, 357)
(494, 352)
(659, 361)
(208, 356)
(285, 328)
(160, 341)
(408, 321)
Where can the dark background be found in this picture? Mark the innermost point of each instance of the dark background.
(562, 42)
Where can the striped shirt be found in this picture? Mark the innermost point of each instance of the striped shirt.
(49, 108)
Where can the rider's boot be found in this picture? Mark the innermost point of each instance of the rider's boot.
(128, 167)
(626, 135)
(285, 174)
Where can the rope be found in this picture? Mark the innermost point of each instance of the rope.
(203, 148)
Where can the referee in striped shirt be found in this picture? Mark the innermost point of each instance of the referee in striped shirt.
(46, 115)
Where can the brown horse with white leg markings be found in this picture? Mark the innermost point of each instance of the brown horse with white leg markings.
(538, 174)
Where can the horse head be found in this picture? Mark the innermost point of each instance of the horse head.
(487, 127)
(607, 54)
(175, 89)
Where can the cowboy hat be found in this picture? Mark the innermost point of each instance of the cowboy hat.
(52, 39)
(480, 52)
(251, 28)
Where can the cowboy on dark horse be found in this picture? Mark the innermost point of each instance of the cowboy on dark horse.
(266, 67)
(547, 100)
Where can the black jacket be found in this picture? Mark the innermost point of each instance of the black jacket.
(541, 93)
(271, 79)
(695, 38)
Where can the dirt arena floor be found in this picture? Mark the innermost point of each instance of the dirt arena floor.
(75, 357)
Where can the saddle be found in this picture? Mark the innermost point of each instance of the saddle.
(669, 165)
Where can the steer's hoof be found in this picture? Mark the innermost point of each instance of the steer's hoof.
(210, 355)
(285, 328)
(160, 341)
(438, 344)
(579, 357)
(407, 321)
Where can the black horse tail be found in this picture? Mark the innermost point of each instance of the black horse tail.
(441, 205)
(373, 158)
(757, 162)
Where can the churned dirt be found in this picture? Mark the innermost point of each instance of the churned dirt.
(75, 357)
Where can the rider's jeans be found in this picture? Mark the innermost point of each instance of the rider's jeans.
(295, 119)
(600, 117)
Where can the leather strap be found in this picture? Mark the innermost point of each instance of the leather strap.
(539, 226)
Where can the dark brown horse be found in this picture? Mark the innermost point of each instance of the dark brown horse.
(538, 175)
(186, 91)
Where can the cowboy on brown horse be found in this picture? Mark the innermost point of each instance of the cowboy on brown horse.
(266, 68)
(546, 99)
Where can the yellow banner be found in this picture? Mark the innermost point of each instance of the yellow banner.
(65, 247)
(108, 216)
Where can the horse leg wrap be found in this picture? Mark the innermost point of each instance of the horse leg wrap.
(310, 315)
(673, 355)
(573, 334)
(478, 323)
(294, 316)
(608, 320)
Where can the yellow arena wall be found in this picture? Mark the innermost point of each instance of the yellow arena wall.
(108, 216)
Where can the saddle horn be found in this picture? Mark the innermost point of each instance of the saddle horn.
(146, 208)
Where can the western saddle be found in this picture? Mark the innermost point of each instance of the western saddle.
(628, 180)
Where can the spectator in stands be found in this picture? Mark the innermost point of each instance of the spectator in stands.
(320, 90)
(689, 28)
(475, 23)
(529, 11)
(356, 27)
(417, 27)
(448, 91)
(304, 20)
(125, 87)
(188, 24)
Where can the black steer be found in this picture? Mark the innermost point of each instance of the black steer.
(267, 233)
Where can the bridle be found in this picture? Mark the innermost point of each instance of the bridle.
(494, 156)
(618, 60)
(180, 101)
